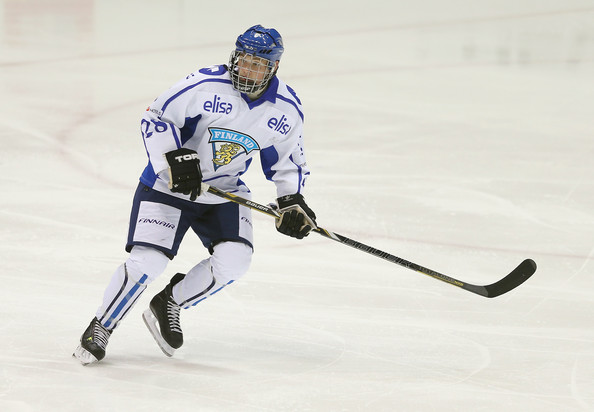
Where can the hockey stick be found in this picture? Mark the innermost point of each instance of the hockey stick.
(514, 279)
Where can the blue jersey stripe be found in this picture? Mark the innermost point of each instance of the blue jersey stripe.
(268, 158)
(300, 173)
(283, 98)
(182, 91)
(176, 138)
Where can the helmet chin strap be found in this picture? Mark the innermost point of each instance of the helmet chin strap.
(254, 96)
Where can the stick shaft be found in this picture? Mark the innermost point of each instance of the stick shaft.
(518, 276)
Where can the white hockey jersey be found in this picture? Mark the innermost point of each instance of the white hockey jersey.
(205, 113)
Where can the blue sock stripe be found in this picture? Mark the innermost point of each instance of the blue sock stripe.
(125, 300)
(195, 303)
(133, 302)
(184, 304)
(116, 296)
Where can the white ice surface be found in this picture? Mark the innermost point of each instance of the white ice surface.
(455, 134)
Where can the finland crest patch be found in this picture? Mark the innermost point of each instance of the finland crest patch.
(228, 144)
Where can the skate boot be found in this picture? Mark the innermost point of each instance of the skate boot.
(162, 318)
(92, 343)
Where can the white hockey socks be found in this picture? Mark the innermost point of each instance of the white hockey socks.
(128, 282)
(229, 262)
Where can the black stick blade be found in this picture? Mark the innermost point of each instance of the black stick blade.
(517, 276)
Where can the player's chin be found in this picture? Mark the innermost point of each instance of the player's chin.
(256, 83)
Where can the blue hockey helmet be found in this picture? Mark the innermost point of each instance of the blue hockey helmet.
(260, 49)
(261, 42)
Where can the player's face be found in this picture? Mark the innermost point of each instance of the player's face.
(252, 68)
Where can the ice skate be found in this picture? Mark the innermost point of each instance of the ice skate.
(92, 343)
(162, 319)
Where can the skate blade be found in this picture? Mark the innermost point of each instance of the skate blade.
(153, 326)
(84, 356)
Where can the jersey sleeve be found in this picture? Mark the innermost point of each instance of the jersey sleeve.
(162, 121)
(284, 163)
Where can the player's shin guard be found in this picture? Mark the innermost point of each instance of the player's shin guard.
(229, 262)
(128, 282)
(162, 318)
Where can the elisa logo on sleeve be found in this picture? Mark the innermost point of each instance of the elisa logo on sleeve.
(279, 125)
(228, 144)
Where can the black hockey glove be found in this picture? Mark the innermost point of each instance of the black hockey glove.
(184, 172)
(297, 219)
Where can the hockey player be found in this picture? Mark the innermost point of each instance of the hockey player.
(206, 128)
